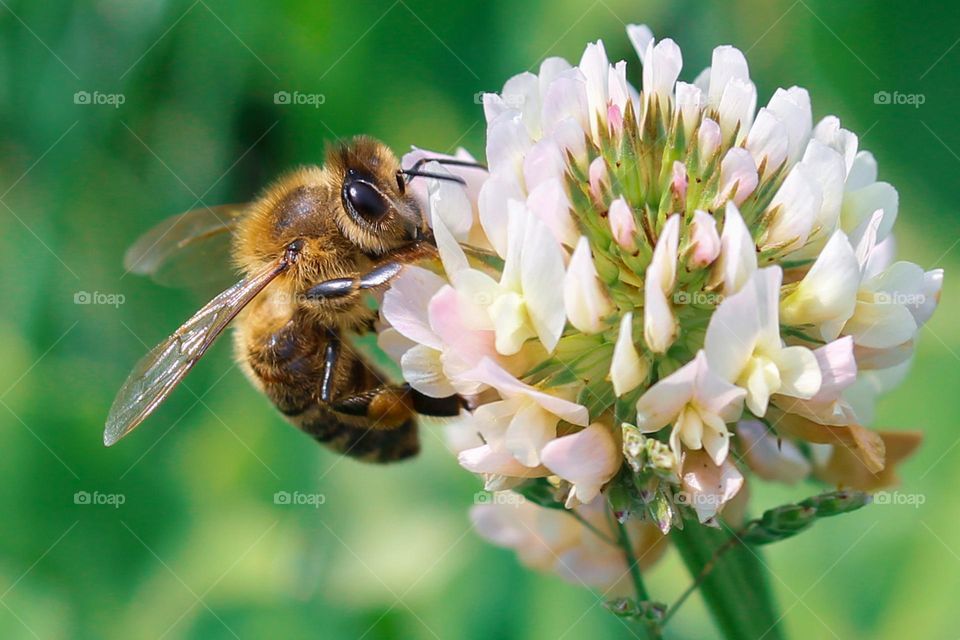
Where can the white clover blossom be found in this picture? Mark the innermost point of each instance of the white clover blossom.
(668, 257)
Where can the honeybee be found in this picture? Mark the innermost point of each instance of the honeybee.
(309, 248)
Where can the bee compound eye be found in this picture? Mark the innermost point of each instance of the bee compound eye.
(365, 201)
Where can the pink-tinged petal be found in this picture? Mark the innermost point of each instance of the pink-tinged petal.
(678, 180)
(664, 401)
(565, 99)
(627, 369)
(447, 321)
(704, 239)
(792, 107)
(585, 299)
(597, 174)
(588, 459)
(549, 202)
(530, 430)
(485, 459)
(771, 458)
(768, 141)
(423, 370)
(709, 139)
(738, 255)
(873, 359)
(708, 486)
(544, 162)
(493, 375)
(406, 302)
(541, 270)
(659, 323)
(617, 88)
(623, 224)
(492, 202)
(838, 368)
(738, 176)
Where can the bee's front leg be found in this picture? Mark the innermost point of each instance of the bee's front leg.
(340, 287)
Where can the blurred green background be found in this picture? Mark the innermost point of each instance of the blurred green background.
(199, 549)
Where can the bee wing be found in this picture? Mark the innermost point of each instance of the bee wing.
(188, 248)
(158, 372)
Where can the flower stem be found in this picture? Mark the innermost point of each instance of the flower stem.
(623, 539)
(732, 580)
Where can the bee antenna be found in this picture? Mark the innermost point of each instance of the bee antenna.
(413, 173)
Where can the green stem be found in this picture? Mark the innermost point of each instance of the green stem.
(732, 580)
(623, 539)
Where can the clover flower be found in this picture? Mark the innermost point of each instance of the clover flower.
(654, 293)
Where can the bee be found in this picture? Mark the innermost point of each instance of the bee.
(309, 248)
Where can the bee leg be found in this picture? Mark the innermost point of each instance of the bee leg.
(389, 406)
(339, 287)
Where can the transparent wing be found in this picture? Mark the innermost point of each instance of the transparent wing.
(189, 249)
(158, 372)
